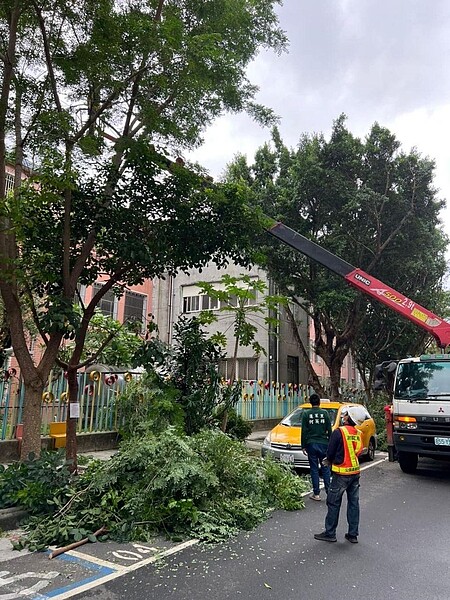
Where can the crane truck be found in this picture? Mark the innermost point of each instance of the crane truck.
(421, 385)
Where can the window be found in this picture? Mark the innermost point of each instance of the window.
(194, 300)
(209, 303)
(292, 369)
(246, 368)
(199, 302)
(9, 182)
(191, 304)
(108, 303)
(135, 307)
(233, 300)
(295, 418)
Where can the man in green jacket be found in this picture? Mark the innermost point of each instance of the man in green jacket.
(316, 431)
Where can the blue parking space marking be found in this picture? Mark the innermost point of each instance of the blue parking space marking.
(99, 570)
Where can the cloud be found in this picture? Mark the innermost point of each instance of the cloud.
(374, 60)
(427, 130)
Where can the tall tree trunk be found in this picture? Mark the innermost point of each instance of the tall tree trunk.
(335, 380)
(31, 440)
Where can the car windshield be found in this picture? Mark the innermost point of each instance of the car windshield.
(295, 418)
(423, 380)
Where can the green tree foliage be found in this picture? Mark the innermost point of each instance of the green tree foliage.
(366, 201)
(206, 486)
(110, 342)
(95, 96)
(149, 405)
(191, 366)
(237, 297)
(32, 483)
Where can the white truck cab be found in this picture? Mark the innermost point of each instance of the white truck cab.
(421, 409)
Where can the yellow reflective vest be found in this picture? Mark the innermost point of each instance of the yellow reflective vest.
(352, 443)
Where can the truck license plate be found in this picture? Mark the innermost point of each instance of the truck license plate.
(442, 441)
(287, 458)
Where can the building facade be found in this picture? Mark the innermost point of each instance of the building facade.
(133, 305)
(181, 295)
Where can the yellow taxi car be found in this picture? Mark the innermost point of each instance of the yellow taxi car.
(283, 442)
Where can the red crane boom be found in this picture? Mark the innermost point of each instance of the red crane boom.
(364, 282)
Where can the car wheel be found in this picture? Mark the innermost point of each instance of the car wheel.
(371, 450)
(408, 461)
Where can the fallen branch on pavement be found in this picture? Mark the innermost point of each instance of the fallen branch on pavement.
(85, 540)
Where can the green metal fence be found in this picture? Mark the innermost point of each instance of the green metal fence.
(269, 400)
(98, 392)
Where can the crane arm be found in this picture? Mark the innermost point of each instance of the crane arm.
(364, 282)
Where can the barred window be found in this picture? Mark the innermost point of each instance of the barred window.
(108, 303)
(135, 306)
(9, 182)
(246, 368)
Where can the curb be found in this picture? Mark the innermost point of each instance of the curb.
(10, 518)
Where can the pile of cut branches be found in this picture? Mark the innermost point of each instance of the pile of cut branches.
(207, 486)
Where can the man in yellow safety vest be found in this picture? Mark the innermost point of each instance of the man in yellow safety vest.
(344, 447)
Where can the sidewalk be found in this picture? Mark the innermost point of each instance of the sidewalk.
(255, 439)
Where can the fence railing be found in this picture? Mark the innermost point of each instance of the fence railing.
(269, 400)
(98, 409)
(97, 394)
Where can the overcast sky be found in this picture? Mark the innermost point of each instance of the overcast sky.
(374, 60)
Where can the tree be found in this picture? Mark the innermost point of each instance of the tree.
(98, 95)
(191, 367)
(238, 296)
(108, 342)
(365, 201)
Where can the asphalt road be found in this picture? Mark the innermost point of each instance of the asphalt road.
(403, 554)
(403, 551)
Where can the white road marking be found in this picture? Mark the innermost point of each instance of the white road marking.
(44, 581)
(93, 559)
(29, 575)
(127, 555)
(374, 463)
(119, 569)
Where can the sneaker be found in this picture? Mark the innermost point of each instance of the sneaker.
(316, 497)
(351, 538)
(324, 537)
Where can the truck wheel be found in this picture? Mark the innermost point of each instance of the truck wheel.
(408, 461)
(371, 450)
